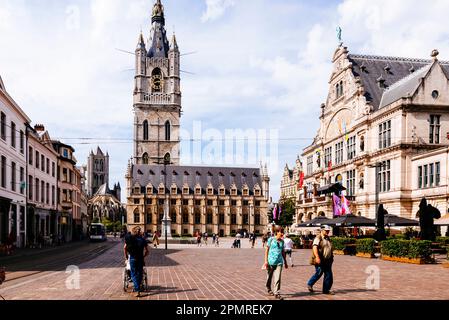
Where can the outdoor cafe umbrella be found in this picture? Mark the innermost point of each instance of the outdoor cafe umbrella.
(351, 220)
(392, 220)
(443, 221)
(318, 221)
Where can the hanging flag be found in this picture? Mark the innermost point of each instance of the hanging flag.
(336, 206)
(279, 212)
(275, 210)
(301, 181)
(329, 166)
(345, 206)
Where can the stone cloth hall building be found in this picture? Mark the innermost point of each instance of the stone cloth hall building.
(385, 123)
(204, 199)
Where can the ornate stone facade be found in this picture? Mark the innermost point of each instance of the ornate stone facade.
(384, 124)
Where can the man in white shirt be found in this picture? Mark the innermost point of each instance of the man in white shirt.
(288, 243)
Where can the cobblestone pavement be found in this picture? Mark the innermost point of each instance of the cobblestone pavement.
(187, 272)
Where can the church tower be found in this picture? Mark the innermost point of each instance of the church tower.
(157, 95)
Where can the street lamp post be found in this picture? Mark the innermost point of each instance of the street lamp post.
(377, 166)
(166, 221)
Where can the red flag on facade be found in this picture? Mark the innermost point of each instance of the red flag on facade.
(301, 181)
(329, 165)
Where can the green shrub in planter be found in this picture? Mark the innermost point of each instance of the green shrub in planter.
(443, 240)
(395, 248)
(365, 246)
(341, 243)
(407, 248)
(420, 249)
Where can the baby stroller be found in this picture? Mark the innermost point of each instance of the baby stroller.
(127, 280)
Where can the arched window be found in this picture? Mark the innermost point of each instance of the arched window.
(167, 159)
(156, 80)
(145, 158)
(136, 216)
(145, 130)
(167, 131)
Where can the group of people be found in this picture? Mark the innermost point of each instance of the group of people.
(279, 246)
(204, 238)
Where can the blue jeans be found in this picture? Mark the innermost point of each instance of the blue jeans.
(325, 269)
(136, 272)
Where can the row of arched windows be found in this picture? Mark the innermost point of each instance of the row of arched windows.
(146, 158)
(146, 131)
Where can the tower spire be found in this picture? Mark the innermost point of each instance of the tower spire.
(158, 46)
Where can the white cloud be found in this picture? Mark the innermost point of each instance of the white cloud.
(216, 9)
(267, 67)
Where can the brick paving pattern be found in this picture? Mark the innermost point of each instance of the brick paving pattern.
(187, 272)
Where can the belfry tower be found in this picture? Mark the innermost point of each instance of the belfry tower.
(157, 95)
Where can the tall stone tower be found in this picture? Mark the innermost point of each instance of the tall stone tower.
(97, 171)
(157, 95)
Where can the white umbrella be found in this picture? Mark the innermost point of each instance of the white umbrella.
(443, 221)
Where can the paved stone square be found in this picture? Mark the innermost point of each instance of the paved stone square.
(187, 272)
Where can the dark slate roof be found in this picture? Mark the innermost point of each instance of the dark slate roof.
(405, 87)
(390, 69)
(158, 39)
(145, 174)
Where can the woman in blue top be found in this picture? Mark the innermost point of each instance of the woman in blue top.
(274, 260)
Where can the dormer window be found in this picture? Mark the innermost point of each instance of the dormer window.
(363, 67)
(381, 82)
(198, 191)
(136, 190)
(174, 190)
(234, 191)
(185, 191)
(161, 190)
(222, 191)
(149, 190)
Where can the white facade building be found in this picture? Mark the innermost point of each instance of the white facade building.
(385, 124)
(13, 125)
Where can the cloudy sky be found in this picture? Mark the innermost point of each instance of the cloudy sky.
(260, 65)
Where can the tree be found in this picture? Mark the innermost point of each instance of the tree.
(96, 220)
(288, 211)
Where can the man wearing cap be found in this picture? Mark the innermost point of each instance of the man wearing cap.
(322, 259)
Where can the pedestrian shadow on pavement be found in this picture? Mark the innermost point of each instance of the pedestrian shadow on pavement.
(336, 291)
(156, 290)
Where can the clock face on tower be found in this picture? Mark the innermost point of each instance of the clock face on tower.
(156, 82)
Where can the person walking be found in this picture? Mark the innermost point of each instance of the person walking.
(238, 241)
(322, 259)
(253, 240)
(155, 239)
(136, 249)
(205, 238)
(288, 248)
(217, 241)
(264, 240)
(274, 260)
(198, 239)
